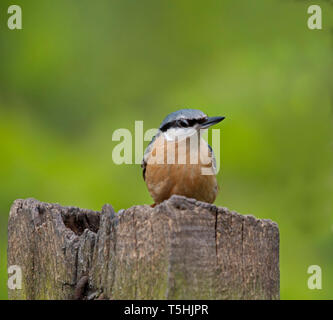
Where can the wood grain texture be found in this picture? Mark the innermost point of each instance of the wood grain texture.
(181, 249)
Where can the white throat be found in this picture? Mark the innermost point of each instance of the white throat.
(173, 134)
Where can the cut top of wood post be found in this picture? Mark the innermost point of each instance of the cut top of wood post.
(181, 249)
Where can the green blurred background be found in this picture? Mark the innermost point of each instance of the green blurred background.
(81, 69)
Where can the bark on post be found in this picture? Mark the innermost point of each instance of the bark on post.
(181, 249)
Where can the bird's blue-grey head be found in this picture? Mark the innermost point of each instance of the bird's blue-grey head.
(188, 118)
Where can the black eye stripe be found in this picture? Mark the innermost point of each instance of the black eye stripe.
(181, 123)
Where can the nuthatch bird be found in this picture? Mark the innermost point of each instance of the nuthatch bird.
(164, 175)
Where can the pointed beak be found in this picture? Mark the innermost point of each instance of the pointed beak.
(210, 122)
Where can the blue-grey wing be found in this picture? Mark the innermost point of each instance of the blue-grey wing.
(213, 158)
(145, 156)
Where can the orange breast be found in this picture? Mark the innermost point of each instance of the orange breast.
(171, 170)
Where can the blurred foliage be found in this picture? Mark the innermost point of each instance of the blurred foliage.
(79, 70)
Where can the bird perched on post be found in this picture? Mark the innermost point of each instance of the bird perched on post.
(179, 161)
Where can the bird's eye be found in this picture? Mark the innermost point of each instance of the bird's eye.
(183, 123)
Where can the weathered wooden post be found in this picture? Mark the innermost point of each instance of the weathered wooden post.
(181, 249)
